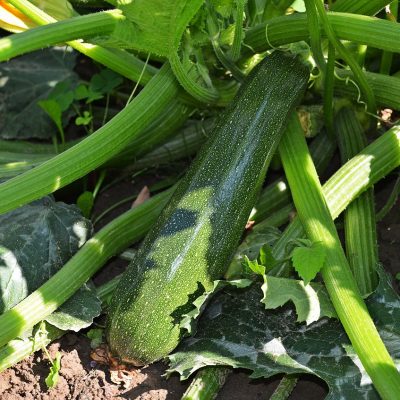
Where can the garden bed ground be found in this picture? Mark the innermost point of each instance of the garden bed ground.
(82, 378)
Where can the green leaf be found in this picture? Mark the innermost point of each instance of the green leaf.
(96, 337)
(105, 81)
(84, 119)
(266, 257)
(52, 378)
(23, 82)
(255, 266)
(235, 330)
(36, 240)
(81, 92)
(251, 247)
(78, 312)
(311, 301)
(189, 320)
(309, 260)
(154, 26)
(53, 110)
(62, 94)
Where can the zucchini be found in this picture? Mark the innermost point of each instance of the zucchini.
(196, 235)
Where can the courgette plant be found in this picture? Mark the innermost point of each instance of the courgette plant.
(193, 60)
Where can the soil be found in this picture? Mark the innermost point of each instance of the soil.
(84, 379)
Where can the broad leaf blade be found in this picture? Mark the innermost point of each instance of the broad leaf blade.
(78, 312)
(36, 240)
(271, 342)
(311, 301)
(23, 82)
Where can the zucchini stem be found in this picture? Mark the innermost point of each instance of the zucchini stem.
(343, 291)
(359, 217)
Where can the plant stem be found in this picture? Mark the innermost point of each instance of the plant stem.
(391, 201)
(329, 84)
(357, 175)
(369, 7)
(386, 88)
(359, 217)
(59, 32)
(315, 34)
(18, 349)
(285, 387)
(276, 195)
(318, 224)
(93, 151)
(387, 56)
(207, 383)
(347, 56)
(373, 32)
(238, 35)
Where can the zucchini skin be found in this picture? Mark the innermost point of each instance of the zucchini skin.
(193, 240)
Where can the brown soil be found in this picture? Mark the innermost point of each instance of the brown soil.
(82, 378)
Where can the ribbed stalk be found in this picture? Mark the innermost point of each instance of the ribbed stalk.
(276, 195)
(59, 32)
(184, 144)
(207, 383)
(109, 241)
(387, 56)
(365, 7)
(285, 387)
(343, 291)
(199, 92)
(93, 151)
(373, 32)
(18, 349)
(386, 88)
(357, 175)
(346, 55)
(359, 217)
(161, 129)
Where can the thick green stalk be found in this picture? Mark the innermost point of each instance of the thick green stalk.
(365, 7)
(329, 84)
(93, 151)
(285, 387)
(238, 35)
(18, 349)
(207, 383)
(184, 144)
(59, 32)
(343, 291)
(347, 57)
(357, 175)
(386, 88)
(164, 125)
(315, 33)
(387, 56)
(359, 217)
(276, 195)
(198, 91)
(109, 241)
(373, 32)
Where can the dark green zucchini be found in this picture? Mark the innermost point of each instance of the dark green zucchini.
(193, 240)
